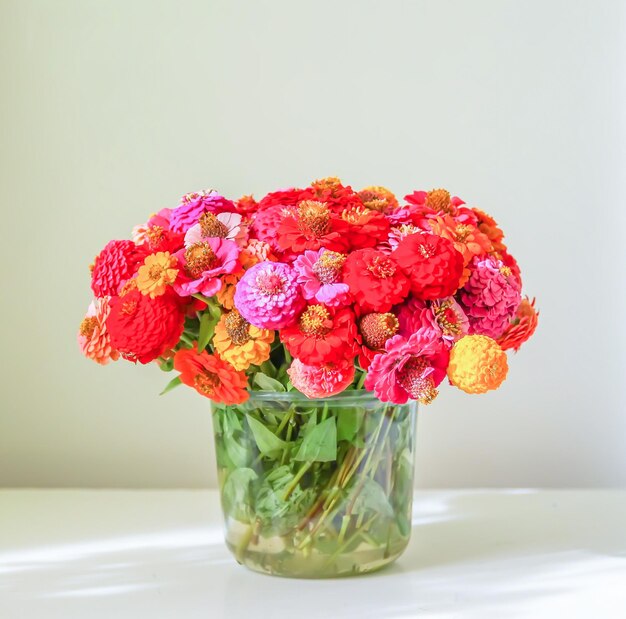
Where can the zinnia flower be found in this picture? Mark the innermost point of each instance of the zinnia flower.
(223, 226)
(202, 264)
(240, 343)
(375, 330)
(488, 226)
(366, 228)
(157, 272)
(193, 205)
(410, 368)
(211, 376)
(93, 337)
(443, 316)
(375, 279)
(268, 295)
(477, 364)
(115, 264)
(321, 381)
(312, 226)
(378, 198)
(490, 297)
(438, 202)
(266, 224)
(521, 327)
(432, 264)
(322, 335)
(156, 235)
(319, 273)
(142, 328)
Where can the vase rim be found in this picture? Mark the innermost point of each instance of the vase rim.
(342, 399)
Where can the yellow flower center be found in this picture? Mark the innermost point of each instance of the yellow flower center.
(314, 217)
(211, 226)
(446, 318)
(88, 326)
(412, 379)
(506, 271)
(199, 258)
(461, 232)
(237, 327)
(315, 321)
(381, 267)
(328, 267)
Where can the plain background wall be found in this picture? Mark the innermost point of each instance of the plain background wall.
(112, 110)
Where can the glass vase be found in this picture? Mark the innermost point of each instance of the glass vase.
(316, 488)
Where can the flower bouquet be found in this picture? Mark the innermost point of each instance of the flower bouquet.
(314, 320)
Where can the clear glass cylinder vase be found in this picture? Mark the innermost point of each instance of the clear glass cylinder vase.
(316, 488)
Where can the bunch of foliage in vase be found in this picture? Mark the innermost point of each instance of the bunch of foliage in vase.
(320, 289)
(314, 319)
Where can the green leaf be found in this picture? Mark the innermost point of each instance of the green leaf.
(173, 383)
(207, 327)
(320, 444)
(348, 423)
(371, 498)
(230, 421)
(166, 365)
(267, 442)
(237, 453)
(266, 383)
(236, 494)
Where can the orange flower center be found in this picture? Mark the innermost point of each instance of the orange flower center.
(439, 200)
(211, 226)
(373, 201)
(381, 267)
(354, 214)
(237, 328)
(328, 267)
(206, 383)
(506, 271)
(331, 183)
(315, 320)
(88, 326)
(129, 307)
(376, 329)
(199, 258)
(446, 318)
(461, 232)
(413, 381)
(155, 235)
(314, 217)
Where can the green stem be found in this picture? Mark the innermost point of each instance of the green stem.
(296, 479)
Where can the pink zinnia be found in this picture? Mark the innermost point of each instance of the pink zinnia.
(319, 273)
(268, 296)
(410, 368)
(223, 225)
(93, 337)
(444, 316)
(321, 381)
(490, 297)
(202, 263)
(193, 205)
(266, 222)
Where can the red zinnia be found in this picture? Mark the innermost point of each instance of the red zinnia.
(211, 376)
(432, 263)
(322, 335)
(142, 328)
(375, 279)
(312, 226)
(366, 228)
(116, 263)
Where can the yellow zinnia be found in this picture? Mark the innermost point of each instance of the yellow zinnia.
(240, 343)
(477, 364)
(156, 273)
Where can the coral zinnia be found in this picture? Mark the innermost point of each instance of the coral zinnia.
(321, 381)
(490, 296)
(488, 226)
(116, 263)
(375, 279)
(366, 228)
(240, 343)
(319, 273)
(93, 337)
(157, 272)
(322, 335)
(378, 198)
(142, 328)
(312, 226)
(375, 330)
(521, 327)
(432, 264)
(211, 376)
(410, 368)
(201, 265)
(268, 295)
(477, 364)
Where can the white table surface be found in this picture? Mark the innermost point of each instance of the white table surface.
(159, 554)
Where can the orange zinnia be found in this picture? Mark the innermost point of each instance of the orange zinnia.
(240, 343)
(211, 376)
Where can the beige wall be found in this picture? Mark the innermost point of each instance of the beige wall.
(113, 109)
